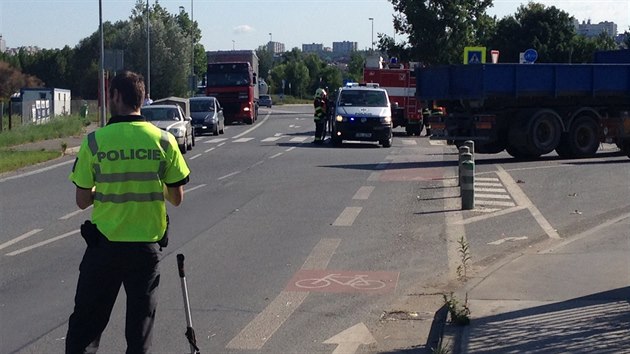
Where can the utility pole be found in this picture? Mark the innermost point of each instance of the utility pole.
(148, 83)
(372, 19)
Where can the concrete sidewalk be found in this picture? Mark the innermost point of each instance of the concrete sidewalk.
(570, 297)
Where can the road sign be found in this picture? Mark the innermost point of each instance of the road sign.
(474, 55)
(530, 56)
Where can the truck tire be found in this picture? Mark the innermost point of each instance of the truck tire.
(516, 145)
(543, 133)
(520, 153)
(624, 146)
(387, 142)
(582, 140)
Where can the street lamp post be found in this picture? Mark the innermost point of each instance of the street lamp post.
(148, 83)
(193, 81)
(101, 71)
(372, 20)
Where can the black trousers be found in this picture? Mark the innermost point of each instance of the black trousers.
(320, 129)
(103, 270)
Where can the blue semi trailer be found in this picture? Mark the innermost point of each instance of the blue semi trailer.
(530, 110)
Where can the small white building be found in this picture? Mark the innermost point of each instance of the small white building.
(41, 103)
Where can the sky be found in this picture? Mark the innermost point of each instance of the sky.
(247, 24)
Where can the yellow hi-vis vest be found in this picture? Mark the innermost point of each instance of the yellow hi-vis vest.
(129, 162)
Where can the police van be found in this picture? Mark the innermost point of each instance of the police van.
(362, 112)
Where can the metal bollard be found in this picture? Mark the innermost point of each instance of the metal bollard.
(468, 184)
(462, 150)
(471, 146)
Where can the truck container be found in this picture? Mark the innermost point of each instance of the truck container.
(530, 109)
(233, 79)
(400, 83)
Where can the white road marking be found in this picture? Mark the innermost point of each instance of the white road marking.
(487, 179)
(194, 157)
(229, 175)
(347, 216)
(265, 324)
(486, 184)
(363, 193)
(215, 140)
(34, 172)
(274, 138)
(276, 155)
(487, 210)
(221, 144)
(209, 150)
(521, 199)
(491, 196)
(193, 188)
(43, 243)
(498, 213)
(489, 190)
(349, 340)
(242, 140)
(289, 149)
(68, 216)
(437, 142)
(506, 239)
(409, 142)
(253, 128)
(454, 229)
(299, 139)
(19, 238)
(374, 176)
(494, 203)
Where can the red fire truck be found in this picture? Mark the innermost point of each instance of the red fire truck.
(400, 82)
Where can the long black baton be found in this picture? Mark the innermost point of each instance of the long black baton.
(190, 332)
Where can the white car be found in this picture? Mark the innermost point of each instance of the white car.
(173, 120)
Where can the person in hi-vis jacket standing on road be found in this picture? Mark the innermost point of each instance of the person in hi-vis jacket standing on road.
(320, 103)
(127, 170)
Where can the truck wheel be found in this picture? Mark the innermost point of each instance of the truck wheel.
(249, 121)
(624, 146)
(387, 142)
(583, 137)
(417, 130)
(408, 130)
(543, 133)
(520, 153)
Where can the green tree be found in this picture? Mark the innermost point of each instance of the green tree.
(275, 81)
(296, 74)
(583, 48)
(265, 62)
(12, 80)
(548, 30)
(355, 67)
(438, 30)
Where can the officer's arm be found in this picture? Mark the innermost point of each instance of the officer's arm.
(84, 197)
(175, 195)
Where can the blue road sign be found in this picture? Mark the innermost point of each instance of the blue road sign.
(530, 55)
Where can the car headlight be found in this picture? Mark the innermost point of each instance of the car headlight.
(210, 119)
(340, 118)
(177, 132)
(387, 119)
(246, 109)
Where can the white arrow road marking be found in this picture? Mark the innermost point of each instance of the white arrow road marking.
(351, 339)
(506, 239)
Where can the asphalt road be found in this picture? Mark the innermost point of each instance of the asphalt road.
(289, 244)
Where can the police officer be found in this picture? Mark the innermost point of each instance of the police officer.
(127, 170)
(320, 103)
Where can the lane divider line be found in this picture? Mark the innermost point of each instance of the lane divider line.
(253, 128)
(68, 216)
(20, 238)
(347, 216)
(43, 243)
(363, 193)
(229, 175)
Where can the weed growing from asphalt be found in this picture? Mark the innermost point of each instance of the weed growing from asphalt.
(459, 312)
(464, 253)
(441, 349)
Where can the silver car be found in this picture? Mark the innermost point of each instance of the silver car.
(207, 115)
(173, 120)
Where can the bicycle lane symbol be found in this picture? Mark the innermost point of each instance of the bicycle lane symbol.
(307, 280)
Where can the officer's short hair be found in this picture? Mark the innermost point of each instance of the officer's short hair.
(130, 85)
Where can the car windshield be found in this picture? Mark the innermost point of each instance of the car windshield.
(264, 97)
(158, 114)
(201, 105)
(363, 98)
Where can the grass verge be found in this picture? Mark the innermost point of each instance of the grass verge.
(11, 160)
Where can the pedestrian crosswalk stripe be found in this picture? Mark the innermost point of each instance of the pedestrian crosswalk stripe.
(487, 179)
(243, 140)
(487, 210)
(492, 196)
(488, 184)
(494, 203)
(490, 190)
(298, 139)
(437, 142)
